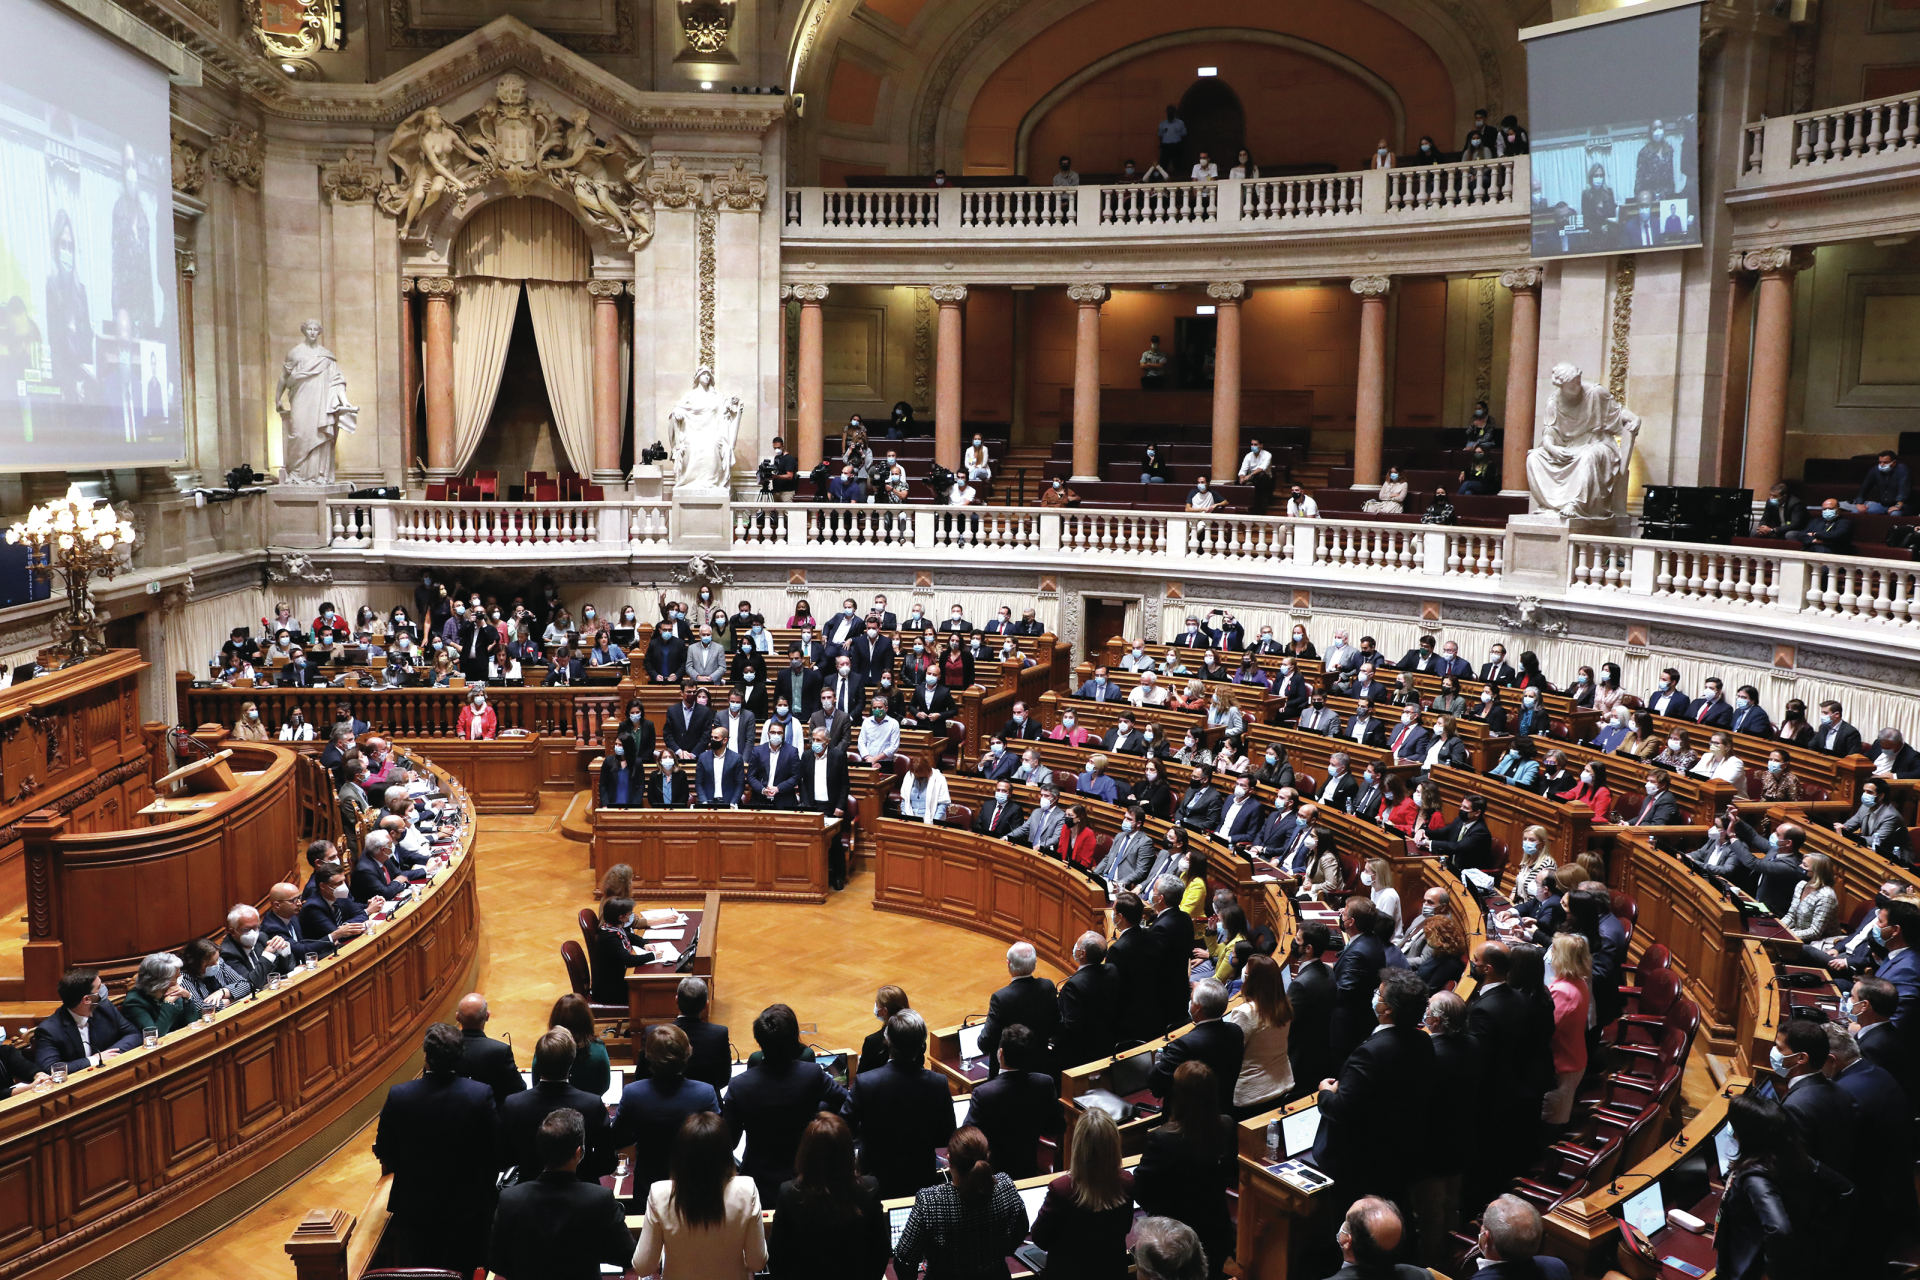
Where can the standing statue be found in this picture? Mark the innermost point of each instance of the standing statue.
(701, 430)
(312, 403)
(1579, 469)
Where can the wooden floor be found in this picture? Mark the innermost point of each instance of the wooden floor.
(825, 961)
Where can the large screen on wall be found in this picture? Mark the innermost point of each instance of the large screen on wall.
(89, 337)
(1613, 110)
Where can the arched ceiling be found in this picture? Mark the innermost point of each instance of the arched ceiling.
(915, 71)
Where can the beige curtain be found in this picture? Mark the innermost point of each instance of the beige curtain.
(523, 239)
(563, 329)
(483, 311)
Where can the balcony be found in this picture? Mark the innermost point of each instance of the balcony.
(1435, 218)
(1844, 173)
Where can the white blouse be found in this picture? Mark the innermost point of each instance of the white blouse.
(1265, 1071)
(734, 1250)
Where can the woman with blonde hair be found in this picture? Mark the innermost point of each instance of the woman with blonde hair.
(1223, 712)
(248, 727)
(1536, 860)
(1377, 880)
(1083, 1222)
(1265, 1019)
(1814, 900)
(1192, 698)
(1569, 968)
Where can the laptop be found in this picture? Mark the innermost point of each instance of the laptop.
(1128, 1076)
(970, 1041)
(1298, 1131)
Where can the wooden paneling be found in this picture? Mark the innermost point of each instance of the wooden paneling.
(71, 742)
(1511, 810)
(1699, 926)
(748, 853)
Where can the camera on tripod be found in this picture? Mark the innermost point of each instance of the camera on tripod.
(765, 472)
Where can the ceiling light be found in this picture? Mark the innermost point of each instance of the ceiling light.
(706, 84)
(1209, 71)
(1203, 311)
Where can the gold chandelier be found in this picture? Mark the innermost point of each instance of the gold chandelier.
(78, 538)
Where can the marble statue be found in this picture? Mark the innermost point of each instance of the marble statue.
(1578, 471)
(701, 430)
(432, 157)
(577, 165)
(312, 403)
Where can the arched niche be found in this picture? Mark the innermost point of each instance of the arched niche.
(433, 254)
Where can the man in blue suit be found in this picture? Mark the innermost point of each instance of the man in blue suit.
(1511, 1233)
(1668, 700)
(719, 775)
(1899, 927)
(436, 1136)
(1100, 688)
(1410, 739)
(901, 1111)
(1450, 663)
(1241, 816)
(1711, 709)
(1882, 1170)
(773, 775)
(86, 1030)
(1383, 1084)
(1356, 976)
(999, 761)
(1748, 715)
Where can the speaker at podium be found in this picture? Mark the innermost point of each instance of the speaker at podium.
(1676, 513)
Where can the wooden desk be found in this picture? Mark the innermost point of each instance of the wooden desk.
(503, 775)
(1276, 1221)
(1511, 810)
(766, 854)
(1829, 777)
(1700, 799)
(652, 989)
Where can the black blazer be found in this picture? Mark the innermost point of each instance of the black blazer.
(806, 1243)
(490, 1062)
(1343, 793)
(1356, 977)
(772, 1104)
(1172, 932)
(1134, 956)
(836, 797)
(711, 1061)
(1756, 1237)
(1200, 809)
(1881, 1045)
(1307, 1048)
(1460, 1079)
(1825, 1116)
(1515, 1034)
(1028, 732)
(1089, 1025)
(437, 1138)
(558, 1228)
(995, 819)
(1219, 1044)
(1658, 810)
(608, 960)
(687, 727)
(1465, 843)
(900, 1114)
(683, 790)
(519, 1126)
(1015, 1110)
(1174, 1180)
(57, 1038)
(1029, 1001)
(1385, 1092)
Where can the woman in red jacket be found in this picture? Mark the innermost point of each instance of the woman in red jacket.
(1076, 839)
(1593, 792)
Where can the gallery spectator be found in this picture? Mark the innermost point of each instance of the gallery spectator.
(1392, 497)
(1832, 532)
(1153, 376)
(1884, 490)
(1481, 476)
(1243, 166)
(1153, 468)
(1173, 136)
(1065, 176)
(1440, 510)
(1427, 153)
(1058, 494)
(1512, 139)
(1382, 156)
(1784, 514)
(1205, 170)
(1300, 504)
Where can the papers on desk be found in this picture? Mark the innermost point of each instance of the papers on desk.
(961, 1105)
(1266, 879)
(611, 1269)
(612, 1095)
(662, 918)
(970, 1040)
(663, 935)
(665, 953)
(1032, 1197)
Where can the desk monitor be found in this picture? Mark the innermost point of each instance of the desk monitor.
(1128, 1076)
(897, 1222)
(1033, 1196)
(961, 1105)
(623, 636)
(1726, 1148)
(1298, 1130)
(970, 1040)
(1646, 1210)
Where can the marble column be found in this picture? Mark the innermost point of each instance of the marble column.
(1736, 373)
(1772, 361)
(606, 379)
(1370, 393)
(409, 381)
(811, 392)
(1226, 297)
(438, 377)
(1086, 381)
(947, 375)
(1523, 370)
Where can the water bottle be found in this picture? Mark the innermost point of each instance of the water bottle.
(1273, 1139)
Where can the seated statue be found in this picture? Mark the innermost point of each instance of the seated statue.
(1579, 468)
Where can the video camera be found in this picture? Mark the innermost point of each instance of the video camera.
(765, 472)
(940, 480)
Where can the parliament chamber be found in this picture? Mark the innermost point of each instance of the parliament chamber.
(862, 638)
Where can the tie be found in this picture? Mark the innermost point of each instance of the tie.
(1398, 738)
(840, 694)
(1704, 708)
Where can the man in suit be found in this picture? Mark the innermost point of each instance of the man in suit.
(1172, 932)
(930, 706)
(1100, 688)
(843, 626)
(773, 775)
(1459, 1079)
(1466, 841)
(956, 621)
(1029, 625)
(1748, 715)
(1000, 761)
(1899, 929)
(1021, 727)
(558, 1225)
(298, 673)
(687, 725)
(817, 654)
(1659, 809)
(479, 637)
(1511, 1233)
(1832, 532)
(283, 919)
(901, 1111)
(889, 621)
(248, 958)
(1201, 807)
(835, 720)
(1041, 830)
(1893, 758)
(1018, 1104)
(1031, 772)
(1310, 988)
(1668, 700)
(1368, 792)
(1410, 738)
(1820, 1108)
(1277, 837)
(845, 685)
(871, 653)
(1383, 1090)
(1214, 1041)
(710, 1058)
(1423, 660)
(1340, 788)
(1882, 1172)
(522, 1113)
(706, 659)
(798, 684)
(1711, 708)
(1873, 1002)
(1834, 735)
(437, 1137)
(1364, 684)
(1514, 1032)
(1134, 957)
(771, 1102)
(1292, 689)
(1774, 873)
(823, 789)
(1366, 728)
(1194, 636)
(86, 1030)
(1131, 856)
(719, 775)
(1123, 738)
(1370, 1236)
(1450, 663)
(1356, 975)
(999, 816)
(565, 668)
(1001, 624)
(1496, 669)
(1876, 822)
(483, 1058)
(1241, 816)
(1089, 1024)
(1319, 717)
(1027, 1000)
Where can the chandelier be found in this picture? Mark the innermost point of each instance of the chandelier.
(78, 538)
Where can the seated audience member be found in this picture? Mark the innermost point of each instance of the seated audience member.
(248, 727)
(522, 1112)
(1087, 1213)
(1445, 961)
(1893, 758)
(772, 1101)
(1201, 498)
(1884, 490)
(200, 977)
(156, 1000)
(248, 959)
(1464, 843)
(297, 727)
(1830, 531)
(923, 793)
(1300, 504)
(560, 1224)
(1511, 1237)
(653, 1107)
(828, 1222)
(612, 953)
(437, 1137)
(968, 1225)
(1782, 1213)
(1041, 828)
(1167, 1250)
(1659, 809)
(901, 1110)
(1784, 513)
(1188, 1163)
(1876, 821)
(705, 1221)
(1019, 1105)
(287, 919)
(1593, 792)
(1370, 1237)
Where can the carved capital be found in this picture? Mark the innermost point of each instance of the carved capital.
(948, 295)
(814, 293)
(1087, 295)
(1227, 290)
(1736, 262)
(1780, 260)
(673, 186)
(406, 285)
(352, 179)
(786, 292)
(606, 290)
(1522, 279)
(435, 286)
(239, 158)
(1371, 286)
(187, 262)
(740, 188)
(189, 171)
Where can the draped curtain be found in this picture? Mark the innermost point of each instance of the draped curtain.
(483, 312)
(523, 239)
(563, 330)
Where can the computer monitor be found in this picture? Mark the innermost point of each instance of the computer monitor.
(1766, 1090)
(897, 1222)
(1032, 1197)
(961, 1106)
(1298, 1131)
(1646, 1210)
(1726, 1148)
(1129, 1076)
(970, 1040)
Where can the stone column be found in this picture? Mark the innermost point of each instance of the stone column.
(811, 393)
(1226, 297)
(438, 291)
(1523, 371)
(606, 379)
(1772, 361)
(1370, 394)
(947, 374)
(409, 381)
(1086, 381)
(1737, 369)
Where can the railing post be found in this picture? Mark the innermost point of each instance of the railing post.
(1177, 539)
(1776, 149)
(1373, 190)
(1644, 561)
(946, 210)
(1433, 559)
(923, 528)
(1793, 582)
(318, 1246)
(611, 527)
(1049, 531)
(382, 525)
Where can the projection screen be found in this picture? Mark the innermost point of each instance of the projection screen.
(89, 337)
(1613, 108)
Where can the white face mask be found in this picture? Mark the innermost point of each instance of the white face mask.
(248, 939)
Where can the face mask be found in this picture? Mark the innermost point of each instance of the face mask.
(1652, 786)
(1869, 802)
(932, 679)
(781, 714)
(1878, 937)
(1426, 910)
(248, 938)
(1046, 802)
(1002, 796)
(1829, 515)
(1774, 766)
(620, 751)
(1407, 719)
(340, 893)
(1676, 744)
(1773, 844)
(1777, 1060)
(819, 748)
(1066, 722)
(1587, 778)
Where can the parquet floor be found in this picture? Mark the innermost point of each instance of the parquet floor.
(825, 961)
